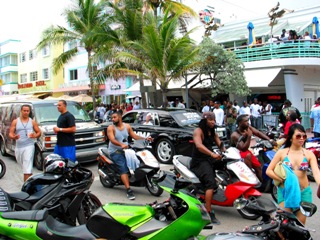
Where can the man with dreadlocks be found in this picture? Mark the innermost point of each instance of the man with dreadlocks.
(204, 160)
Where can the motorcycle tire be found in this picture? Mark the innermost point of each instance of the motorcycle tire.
(246, 214)
(153, 188)
(2, 168)
(106, 183)
(89, 205)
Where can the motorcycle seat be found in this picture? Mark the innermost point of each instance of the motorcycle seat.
(19, 195)
(185, 160)
(35, 215)
(105, 152)
(53, 229)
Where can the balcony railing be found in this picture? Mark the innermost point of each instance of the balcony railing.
(278, 50)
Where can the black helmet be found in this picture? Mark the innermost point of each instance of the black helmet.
(54, 163)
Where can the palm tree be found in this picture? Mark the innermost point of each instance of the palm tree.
(165, 57)
(84, 19)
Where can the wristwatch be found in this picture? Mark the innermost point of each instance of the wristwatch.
(60, 129)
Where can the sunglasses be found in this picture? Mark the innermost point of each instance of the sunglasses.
(299, 136)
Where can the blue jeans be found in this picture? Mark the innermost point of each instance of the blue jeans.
(257, 122)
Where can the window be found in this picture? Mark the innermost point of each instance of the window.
(23, 78)
(33, 76)
(22, 57)
(32, 54)
(46, 51)
(45, 73)
(73, 74)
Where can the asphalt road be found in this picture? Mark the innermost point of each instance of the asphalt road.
(230, 219)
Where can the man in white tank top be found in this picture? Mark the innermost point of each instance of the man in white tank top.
(25, 130)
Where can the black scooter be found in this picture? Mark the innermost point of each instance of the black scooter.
(64, 194)
(145, 175)
(281, 225)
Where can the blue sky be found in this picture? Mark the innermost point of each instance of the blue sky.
(25, 19)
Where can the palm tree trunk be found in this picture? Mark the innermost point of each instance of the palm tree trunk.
(143, 94)
(90, 72)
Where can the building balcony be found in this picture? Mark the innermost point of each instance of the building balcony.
(300, 49)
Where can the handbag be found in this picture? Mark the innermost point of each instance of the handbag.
(280, 172)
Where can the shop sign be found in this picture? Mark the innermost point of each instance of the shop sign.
(25, 85)
(115, 87)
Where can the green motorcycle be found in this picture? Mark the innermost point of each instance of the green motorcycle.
(182, 216)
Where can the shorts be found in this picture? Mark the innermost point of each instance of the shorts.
(205, 171)
(306, 195)
(254, 160)
(66, 152)
(25, 156)
(120, 160)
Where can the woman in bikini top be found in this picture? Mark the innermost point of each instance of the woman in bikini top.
(299, 160)
(304, 165)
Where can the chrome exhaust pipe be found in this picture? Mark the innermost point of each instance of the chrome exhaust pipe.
(102, 174)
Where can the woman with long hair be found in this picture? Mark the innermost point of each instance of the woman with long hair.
(296, 161)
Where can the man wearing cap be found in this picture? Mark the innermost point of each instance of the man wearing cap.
(241, 139)
(204, 160)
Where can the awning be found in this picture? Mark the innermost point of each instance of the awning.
(172, 85)
(77, 88)
(261, 77)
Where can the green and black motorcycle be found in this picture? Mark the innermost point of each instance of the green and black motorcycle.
(182, 216)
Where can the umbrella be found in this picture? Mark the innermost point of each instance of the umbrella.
(252, 38)
(315, 27)
(65, 97)
(82, 98)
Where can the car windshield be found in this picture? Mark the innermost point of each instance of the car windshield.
(48, 112)
(187, 118)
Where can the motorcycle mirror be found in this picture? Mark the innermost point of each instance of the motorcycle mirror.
(308, 209)
(240, 203)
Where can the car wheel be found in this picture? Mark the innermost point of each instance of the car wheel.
(3, 148)
(38, 159)
(164, 150)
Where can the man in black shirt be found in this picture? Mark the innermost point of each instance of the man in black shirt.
(204, 160)
(66, 127)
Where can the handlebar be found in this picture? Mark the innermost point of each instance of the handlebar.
(291, 227)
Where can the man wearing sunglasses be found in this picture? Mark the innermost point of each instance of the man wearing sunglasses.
(241, 139)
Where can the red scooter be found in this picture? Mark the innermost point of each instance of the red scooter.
(235, 179)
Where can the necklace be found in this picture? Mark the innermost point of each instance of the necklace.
(25, 126)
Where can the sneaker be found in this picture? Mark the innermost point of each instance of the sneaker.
(214, 220)
(130, 195)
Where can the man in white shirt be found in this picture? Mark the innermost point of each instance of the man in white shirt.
(205, 107)
(256, 114)
(219, 113)
(179, 104)
(245, 110)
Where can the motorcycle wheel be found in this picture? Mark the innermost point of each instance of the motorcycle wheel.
(2, 168)
(246, 214)
(89, 205)
(274, 193)
(153, 188)
(106, 183)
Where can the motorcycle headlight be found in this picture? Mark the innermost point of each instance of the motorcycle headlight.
(204, 213)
